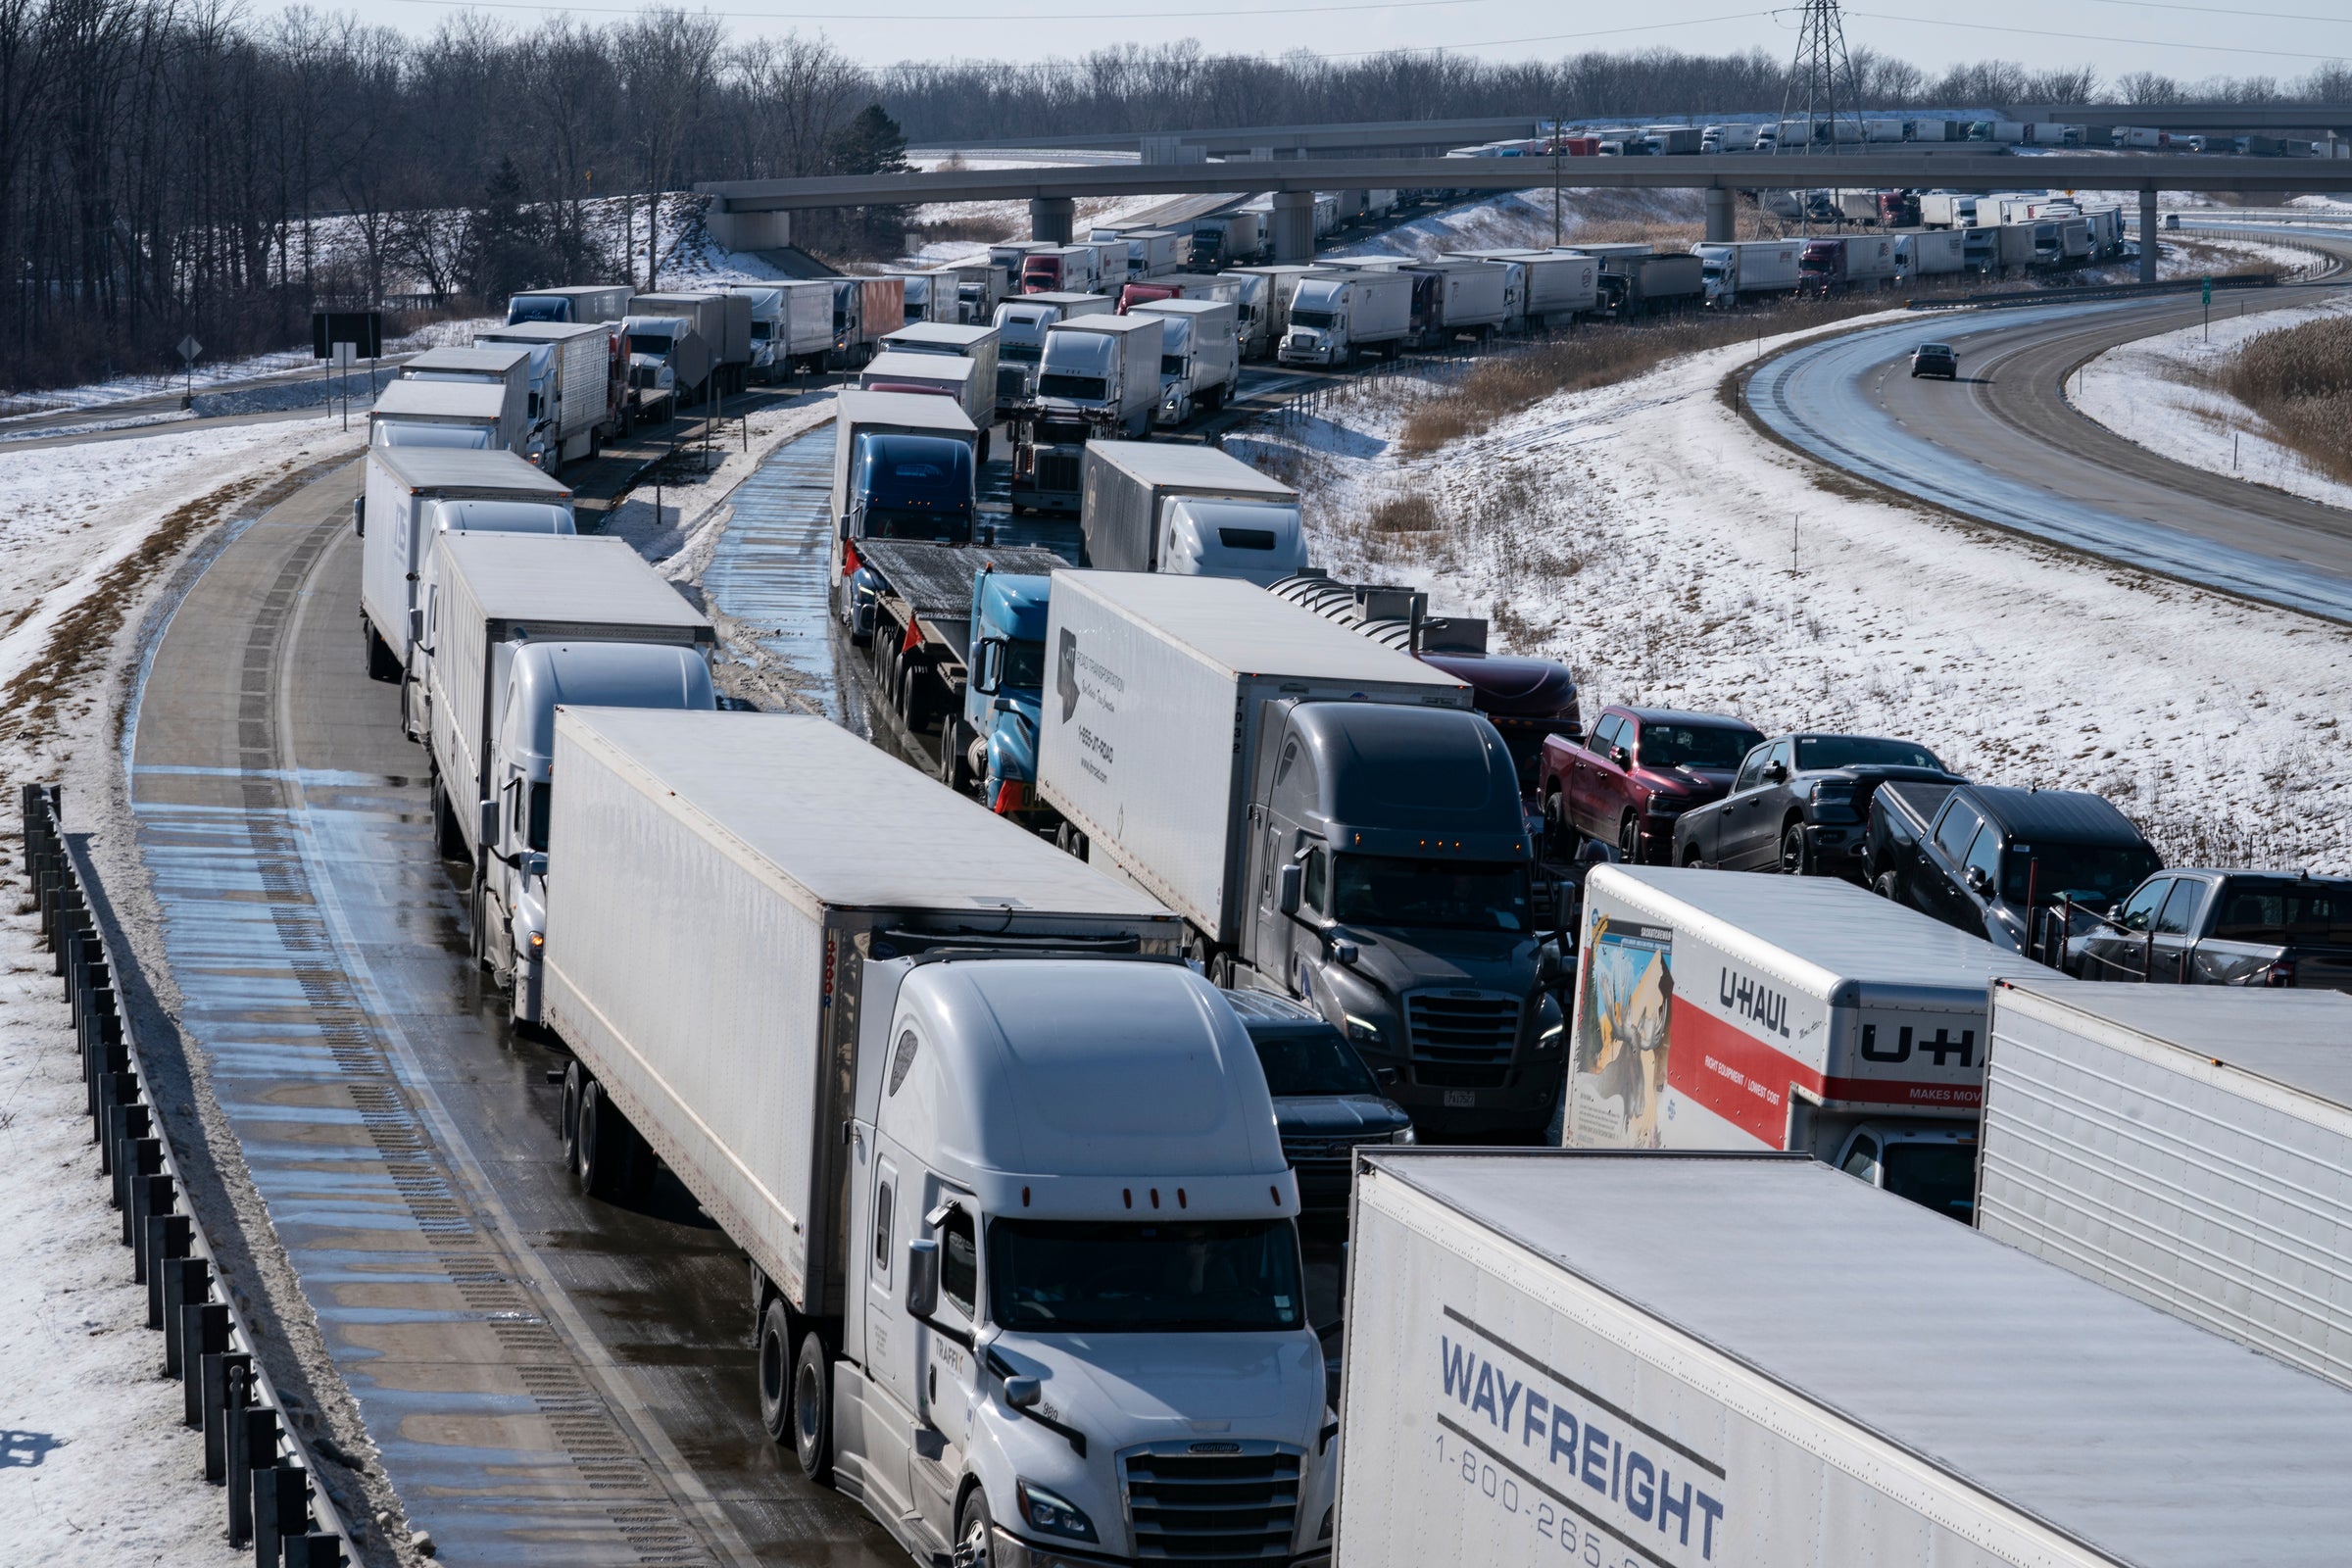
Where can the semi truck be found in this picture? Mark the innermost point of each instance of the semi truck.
(946, 375)
(1336, 318)
(504, 620)
(1947, 209)
(1643, 285)
(1165, 507)
(1855, 261)
(1930, 253)
(1758, 267)
(917, 1037)
(1327, 815)
(1098, 380)
(575, 304)
(1282, 286)
(1690, 1360)
(1063, 269)
(790, 326)
(473, 415)
(1021, 326)
(903, 467)
(500, 365)
(1718, 1011)
(2191, 1148)
(1551, 289)
(1468, 299)
(864, 310)
(1200, 356)
(721, 320)
(411, 496)
(1006, 261)
(1226, 239)
(580, 385)
(978, 344)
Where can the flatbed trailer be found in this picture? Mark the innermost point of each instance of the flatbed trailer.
(921, 648)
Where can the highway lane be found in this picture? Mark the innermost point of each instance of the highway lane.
(2003, 445)
(549, 1381)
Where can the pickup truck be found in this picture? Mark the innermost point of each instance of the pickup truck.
(1633, 774)
(2200, 927)
(1800, 803)
(1984, 859)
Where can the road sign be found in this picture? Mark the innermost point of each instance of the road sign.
(189, 348)
(2209, 291)
(345, 354)
(364, 329)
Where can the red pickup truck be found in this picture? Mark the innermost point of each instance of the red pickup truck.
(1637, 770)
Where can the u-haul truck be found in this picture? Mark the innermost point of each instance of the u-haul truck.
(1721, 1009)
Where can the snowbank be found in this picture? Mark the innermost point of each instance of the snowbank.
(2154, 393)
(1648, 537)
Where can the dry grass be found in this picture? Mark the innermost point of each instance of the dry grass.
(1404, 513)
(2299, 380)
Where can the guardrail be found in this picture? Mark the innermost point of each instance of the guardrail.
(2112, 291)
(275, 1506)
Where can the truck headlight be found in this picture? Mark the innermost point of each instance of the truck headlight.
(1361, 1028)
(1044, 1510)
(1404, 1135)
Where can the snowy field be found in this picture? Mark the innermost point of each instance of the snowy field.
(1647, 536)
(1525, 217)
(2154, 392)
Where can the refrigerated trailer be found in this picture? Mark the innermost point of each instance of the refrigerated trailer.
(1160, 506)
(1686, 1361)
(1718, 1011)
(2188, 1146)
(577, 382)
(882, 1035)
(466, 415)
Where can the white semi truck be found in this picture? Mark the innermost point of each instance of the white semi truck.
(1745, 267)
(1200, 356)
(467, 416)
(1688, 1360)
(2189, 1145)
(499, 605)
(1721, 1011)
(946, 375)
(1026, 1277)
(1021, 324)
(411, 497)
(1160, 506)
(578, 383)
(1337, 317)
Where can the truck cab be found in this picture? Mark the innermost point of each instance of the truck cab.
(903, 487)
(513, 911)
(1002, 696)
(652, 342)
(1318, 324)
(1391, 879)
(1075, 1312)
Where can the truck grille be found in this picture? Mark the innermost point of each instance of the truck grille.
(1012, 383)
(1461, 1040)
(1213, 1501)
(1326, 1151)
(1057, 470)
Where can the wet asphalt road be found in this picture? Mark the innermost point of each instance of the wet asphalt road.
(548, 1380)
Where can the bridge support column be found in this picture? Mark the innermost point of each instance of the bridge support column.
(2148, 234)
(1720, 230)
(748, 232)
(1051, 218)
(1293, 226)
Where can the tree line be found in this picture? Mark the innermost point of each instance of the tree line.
(173, 167)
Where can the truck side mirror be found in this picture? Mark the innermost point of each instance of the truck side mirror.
(1621, 756)
(1023, 1394)
(1547, 966)
(488, 824)
(988, 663)
(922, 1278)
(416, 627)
(358, 516)
(1775, 772)
(1291, 884)
(1979, 880)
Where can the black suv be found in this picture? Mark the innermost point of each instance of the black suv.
(1325, 1100)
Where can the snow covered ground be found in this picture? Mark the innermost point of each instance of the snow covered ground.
(1525, 217)
(2154, 392)
(433, 334)
(1648, 537)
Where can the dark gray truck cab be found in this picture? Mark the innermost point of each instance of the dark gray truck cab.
(1390, 870)
(2206, 927)
(1984, 858)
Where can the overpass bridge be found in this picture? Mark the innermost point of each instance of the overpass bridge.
(748, 213)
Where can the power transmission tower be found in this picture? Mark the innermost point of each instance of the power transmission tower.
(1821, 89)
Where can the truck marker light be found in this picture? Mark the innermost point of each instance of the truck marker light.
(1024, 1197)
(1127, 1197)
(1154, 1198)
(1275, 1193)
(1180, 1202)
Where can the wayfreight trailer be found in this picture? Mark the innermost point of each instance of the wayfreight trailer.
(1025, 1272)
(2188, 1146)
(1715, 1010)
(1726, 1361)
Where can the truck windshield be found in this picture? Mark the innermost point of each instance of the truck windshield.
(1089, 1277)
(1024, 666)
(538, 307)
(1312, 1061)
(1314, 319)
(1940, 1176)
(1025, 352)
(1078, 388)
(1696, 744)
(2095, 873)
(2282, 909)
(1864, 751)
(1394, 890)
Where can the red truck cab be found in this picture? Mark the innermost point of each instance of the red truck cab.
(1134, 294)
(1634, 773)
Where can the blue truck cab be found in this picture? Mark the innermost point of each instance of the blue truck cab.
(1001, 700)
(920, 487)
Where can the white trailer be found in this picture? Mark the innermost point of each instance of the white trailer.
(1945, 208)
(575, 383)
(506, 367)
(1749, 267)
(1172, 672)
(2189, 1145)
(1718, 1010)
(1335, 316)
(1158, 506)
(1685, 1361)
(400, 511)
(475, 414)
(936, 374)
(1199, 354)
(978, 344)
(1021, 324)
(1930, 253)
(879, 1033)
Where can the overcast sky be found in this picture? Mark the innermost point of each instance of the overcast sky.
(2191, 41)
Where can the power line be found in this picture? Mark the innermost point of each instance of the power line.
(2228, 11)
(2086, 38)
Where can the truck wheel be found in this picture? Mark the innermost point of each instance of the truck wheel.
(447, 838)
(1559, 839)
(1884, 885)
(812, 1408)
(381, 665)
(954, 770)
(775, 1371)
(1797, 856)
(601, 1148)
(976, 1532)
(575, 1079)
(1629, 840)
